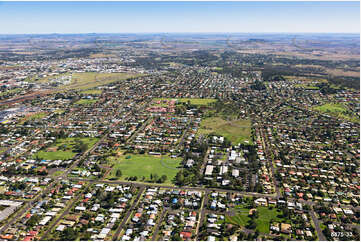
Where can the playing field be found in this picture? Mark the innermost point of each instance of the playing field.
(144, 165)
(192, 101)
(237, 131)
(63, 149)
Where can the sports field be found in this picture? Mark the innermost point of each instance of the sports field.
(144, 165)
(237, 131)
(63, 149)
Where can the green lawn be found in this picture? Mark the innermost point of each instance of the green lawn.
(265, 215)
(264, 218)
(34, 116)
(307, 86)
(193, 101)
(331, 107)
(2, 149)
(144, 165)
(86, 101)
(241, 218)
(337, 110)
(57, 173)
(11, 91)
(66, 152)
(237, 131)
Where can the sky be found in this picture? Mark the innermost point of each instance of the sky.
(169, 17)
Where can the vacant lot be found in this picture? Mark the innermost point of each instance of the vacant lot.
(240, 219)
(331, 108)
(92, 92)
(307, 86)
(237, 131)
(86, 101)
(144, 165)
(34, 116)
(192, 101)
(337, 110)
(88, 80)
(265, 215)
(11, 91)
(63, 149)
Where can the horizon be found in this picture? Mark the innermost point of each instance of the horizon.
(300, 33)
(179, 17)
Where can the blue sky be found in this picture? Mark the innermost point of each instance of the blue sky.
(140, 17)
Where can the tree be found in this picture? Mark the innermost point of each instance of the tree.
(252, 224)
(69, 234)
(155, 177)
(97, 168)
(83, 147)
(34, 220)
(119, 173)
(163, 178)
(180, 178)
(286, 213)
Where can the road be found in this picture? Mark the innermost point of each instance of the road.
(159, 221)
(317, 226)
(202, 213)
(268, 157)
(61, 216)
(62, 177)
(134, 135)
(205, 159)
(126, 217)
(139, 184)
